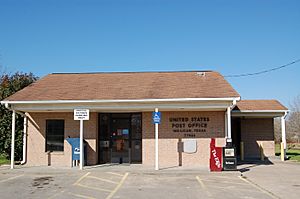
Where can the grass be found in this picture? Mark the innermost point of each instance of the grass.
(293, 153)
(3, 160)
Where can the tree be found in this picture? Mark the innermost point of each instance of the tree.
(293, 122)
(10, 84)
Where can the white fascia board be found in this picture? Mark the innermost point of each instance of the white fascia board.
(120, 101)
(260, 111)
(143, 107)
(257, 116)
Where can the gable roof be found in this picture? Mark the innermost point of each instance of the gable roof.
(260, 105)
(126, 85)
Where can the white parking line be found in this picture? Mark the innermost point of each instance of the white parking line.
(82, 177)
(118, 186)
(102, 179)
(259, 188)
(203, 186)
(111, 192)
(95, 188)
(116, 174)
(11, 178)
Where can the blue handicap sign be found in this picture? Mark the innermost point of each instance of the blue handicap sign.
(75, 143)
(156, 117)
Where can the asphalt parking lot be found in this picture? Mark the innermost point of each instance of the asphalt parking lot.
(278, 180)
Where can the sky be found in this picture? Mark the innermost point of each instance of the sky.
(231, 37)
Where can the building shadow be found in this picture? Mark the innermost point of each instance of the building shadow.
(167, 168)
(180, 150)
(247, 165)
(49, 157)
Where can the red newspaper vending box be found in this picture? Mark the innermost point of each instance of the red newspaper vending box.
(215, 156)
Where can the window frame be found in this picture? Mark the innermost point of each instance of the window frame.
(47, 134)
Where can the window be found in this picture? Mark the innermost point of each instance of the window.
(55, 130)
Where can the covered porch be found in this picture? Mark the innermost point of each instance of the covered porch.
(37, 113)
(253, 128)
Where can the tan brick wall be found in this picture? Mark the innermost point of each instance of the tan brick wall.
(256, 132)
(168, 140)
(36, 154)
(169, 155)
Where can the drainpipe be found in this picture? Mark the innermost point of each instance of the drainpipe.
(13, 134)
(24, 140)
(283, 137)
(229, 124)
(228, 117)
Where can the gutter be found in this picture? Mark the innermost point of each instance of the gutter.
(264, 113)
(120, 100)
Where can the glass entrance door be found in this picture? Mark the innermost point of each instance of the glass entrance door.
(120, 128)
(120, 138)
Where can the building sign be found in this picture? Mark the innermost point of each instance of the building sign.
(189, 125)
(81, 114)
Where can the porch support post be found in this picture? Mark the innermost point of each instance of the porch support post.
(13, 126)
(156, 144)
(283, 138)
(226, 122)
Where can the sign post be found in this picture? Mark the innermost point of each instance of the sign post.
(81, 114)
(156, 117)
(81, 145)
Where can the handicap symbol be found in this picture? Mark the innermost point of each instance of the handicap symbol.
(156, 117)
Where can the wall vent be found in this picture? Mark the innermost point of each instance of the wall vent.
(201, 74)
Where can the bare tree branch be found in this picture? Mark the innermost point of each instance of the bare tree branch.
(293, 122)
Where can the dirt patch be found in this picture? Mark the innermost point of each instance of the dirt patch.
(42, 181)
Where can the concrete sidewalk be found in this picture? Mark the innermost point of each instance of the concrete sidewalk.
(281, 179)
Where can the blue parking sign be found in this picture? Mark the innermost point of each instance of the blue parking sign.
(156, 117)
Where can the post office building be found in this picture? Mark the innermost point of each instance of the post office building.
(194, 107)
